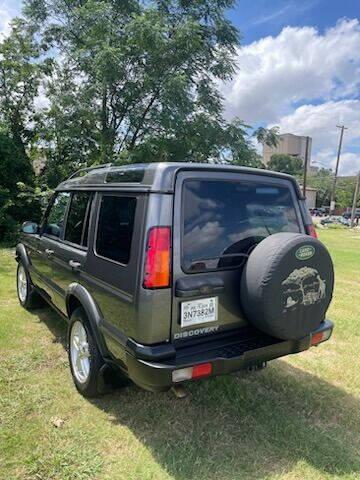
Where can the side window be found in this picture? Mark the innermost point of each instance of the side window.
(115, 228)
(54, 223)
(77, 220)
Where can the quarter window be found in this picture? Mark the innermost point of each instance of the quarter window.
(115, 228)
(77, 220)
(54, 224)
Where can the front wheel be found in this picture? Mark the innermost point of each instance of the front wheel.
(84, 356)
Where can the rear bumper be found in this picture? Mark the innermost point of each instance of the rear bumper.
(234, 353)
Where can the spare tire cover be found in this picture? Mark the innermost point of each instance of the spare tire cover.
(287, 285)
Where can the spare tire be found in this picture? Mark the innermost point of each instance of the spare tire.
(287, 285)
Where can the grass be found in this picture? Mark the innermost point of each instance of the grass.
(297, 419)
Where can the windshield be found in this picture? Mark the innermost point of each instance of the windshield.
(223, 221)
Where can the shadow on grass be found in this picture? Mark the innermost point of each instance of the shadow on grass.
(246, 426)
(54, 322)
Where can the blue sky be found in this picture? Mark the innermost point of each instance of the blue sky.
(298, 68)
(260, 18)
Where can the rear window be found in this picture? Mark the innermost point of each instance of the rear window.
(223, 221)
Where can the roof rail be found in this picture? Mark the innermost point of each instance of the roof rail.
(88, 169)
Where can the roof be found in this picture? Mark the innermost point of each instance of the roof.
(153, 177)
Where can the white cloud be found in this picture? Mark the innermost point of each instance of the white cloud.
(306, 83)
(319, 122)
(8, 10)
(349, 162)
(298, 65)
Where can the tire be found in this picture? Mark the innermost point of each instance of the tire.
(287, 285)
(28, 297)
(84, 357)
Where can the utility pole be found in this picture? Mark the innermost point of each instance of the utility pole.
(353, 210)
(306, 163)
(332, 198)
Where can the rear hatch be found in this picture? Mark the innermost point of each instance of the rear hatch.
(219, 218)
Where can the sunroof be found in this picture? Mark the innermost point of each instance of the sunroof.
(127, 175)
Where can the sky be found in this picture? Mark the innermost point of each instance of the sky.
(298, 68)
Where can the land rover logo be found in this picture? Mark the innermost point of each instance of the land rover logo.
(305, 252)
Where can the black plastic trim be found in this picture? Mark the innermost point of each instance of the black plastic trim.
(150, 352)
(157, 376)
(196, 286)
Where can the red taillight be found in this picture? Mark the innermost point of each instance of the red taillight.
(158, 257)
(202, 370)
(319, 337)
(310, 229)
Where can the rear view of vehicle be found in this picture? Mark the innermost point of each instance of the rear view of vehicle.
(175, 272)
(249, 282)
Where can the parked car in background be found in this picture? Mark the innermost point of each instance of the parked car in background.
(335, 219)
(318, 212)
(347, 214)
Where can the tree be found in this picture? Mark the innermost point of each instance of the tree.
(286, 164)
(144, 77)
(20, 77)
(322, 181)
(14, 168)
(21, 72)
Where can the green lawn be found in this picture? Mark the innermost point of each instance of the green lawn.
(297, 419)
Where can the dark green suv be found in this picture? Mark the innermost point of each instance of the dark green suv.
(173, 272)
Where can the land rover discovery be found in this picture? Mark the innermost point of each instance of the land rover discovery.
(169, 272)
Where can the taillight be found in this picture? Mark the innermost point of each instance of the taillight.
(192, 373)
(310, 230)
(158, 257)
(319, 337)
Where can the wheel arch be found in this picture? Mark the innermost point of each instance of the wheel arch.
(78, 296)
(22, 256)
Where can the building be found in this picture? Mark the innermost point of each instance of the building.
(289, 144)
(310, 195)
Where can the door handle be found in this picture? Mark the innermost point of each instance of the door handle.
(49, 252)
(74, 265)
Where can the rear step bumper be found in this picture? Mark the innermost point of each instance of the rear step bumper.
(225, 356)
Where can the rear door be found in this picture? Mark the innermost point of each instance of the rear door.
(219, 217)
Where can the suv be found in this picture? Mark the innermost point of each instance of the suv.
(171, 271)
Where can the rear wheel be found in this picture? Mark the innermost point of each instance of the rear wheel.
(27, 296)
(84, 356)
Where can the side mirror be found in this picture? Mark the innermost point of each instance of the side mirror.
(30, 227)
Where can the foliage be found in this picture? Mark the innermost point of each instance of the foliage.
(127, 81)
(281, 162)
(21, 72)
(138, 82)
(14, 168)
(323, 182)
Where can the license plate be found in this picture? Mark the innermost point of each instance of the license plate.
(199, 311)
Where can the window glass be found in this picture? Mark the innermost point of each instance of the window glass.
(115, 228)
(127, 175)
(76, 221)
(54, 224)
(224, 220)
